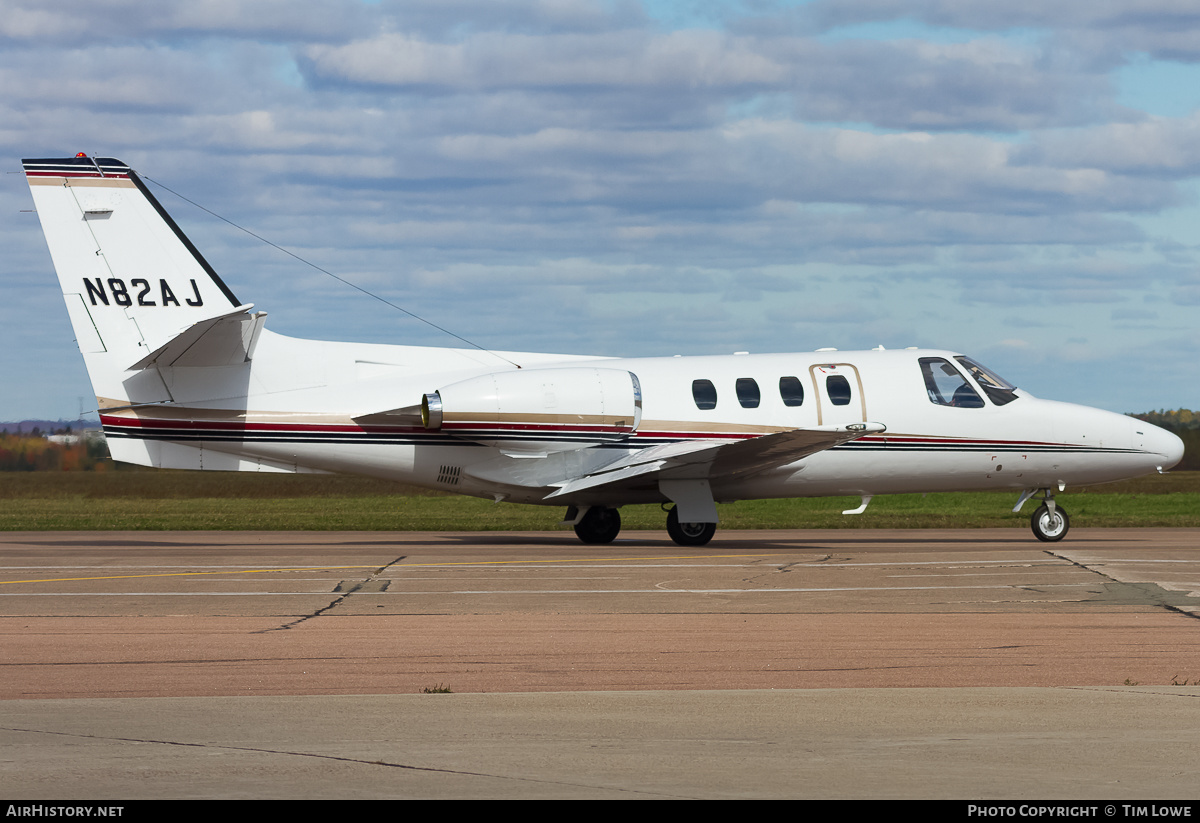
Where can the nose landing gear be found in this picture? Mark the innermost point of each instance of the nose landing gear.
(1050, 522)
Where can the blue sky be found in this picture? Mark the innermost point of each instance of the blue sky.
(1017, 181)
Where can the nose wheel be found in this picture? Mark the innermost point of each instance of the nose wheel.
(1050, 523)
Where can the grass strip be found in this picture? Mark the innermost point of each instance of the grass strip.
(173, 500)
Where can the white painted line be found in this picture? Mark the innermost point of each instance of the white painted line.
(441, 593)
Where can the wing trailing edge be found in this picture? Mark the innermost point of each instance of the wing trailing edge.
(710, 461)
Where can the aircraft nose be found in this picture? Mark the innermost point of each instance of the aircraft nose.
(1160, 442)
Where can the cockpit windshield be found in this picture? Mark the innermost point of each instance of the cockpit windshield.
(998, 390)
(946, 385)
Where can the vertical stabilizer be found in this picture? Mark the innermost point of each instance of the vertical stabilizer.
(131, 280)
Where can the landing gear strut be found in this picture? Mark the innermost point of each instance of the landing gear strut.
(599, 525)
(688, 534)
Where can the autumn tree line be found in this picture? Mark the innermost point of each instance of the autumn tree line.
(31, 452)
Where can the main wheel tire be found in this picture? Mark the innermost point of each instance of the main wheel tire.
(599, 525)
(689, 534)
(1048, 528)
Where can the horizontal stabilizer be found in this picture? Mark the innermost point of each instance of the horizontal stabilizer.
(224, 340)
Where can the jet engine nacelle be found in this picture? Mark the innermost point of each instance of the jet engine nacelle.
(538, 410)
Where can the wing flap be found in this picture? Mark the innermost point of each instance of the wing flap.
(606, 478)
(770, 451)
(711, 460)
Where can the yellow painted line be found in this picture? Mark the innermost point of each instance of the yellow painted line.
(587, 560)
(397, 566)
(181, 574)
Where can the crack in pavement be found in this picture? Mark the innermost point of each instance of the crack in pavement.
(338, 758)
(1120, 592)
(338, 600)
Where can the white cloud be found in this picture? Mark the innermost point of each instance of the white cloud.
(635, 187)
(496, 60)
(1155, 147)
(84, 22)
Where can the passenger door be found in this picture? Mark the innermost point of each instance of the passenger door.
(839, 392)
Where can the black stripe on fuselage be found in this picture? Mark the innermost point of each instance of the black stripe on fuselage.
(193, 434)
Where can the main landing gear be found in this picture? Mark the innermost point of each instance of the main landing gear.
(1050, 522)
(600, 524)
(688, 534)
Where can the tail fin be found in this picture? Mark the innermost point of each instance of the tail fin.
(136, 288)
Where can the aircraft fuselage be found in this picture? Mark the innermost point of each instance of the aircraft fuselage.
(927, 446)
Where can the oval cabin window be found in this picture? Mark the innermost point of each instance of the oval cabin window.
(747, 392)
(791, 390)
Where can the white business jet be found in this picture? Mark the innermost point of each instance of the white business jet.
(187, 377)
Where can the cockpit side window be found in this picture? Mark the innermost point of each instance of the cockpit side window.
(946, 385)
(998, 390)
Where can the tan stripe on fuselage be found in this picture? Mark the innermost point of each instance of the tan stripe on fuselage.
(119, 408)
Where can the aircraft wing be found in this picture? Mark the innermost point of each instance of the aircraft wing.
(709, 460)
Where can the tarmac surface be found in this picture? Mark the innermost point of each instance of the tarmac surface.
(836, 663)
